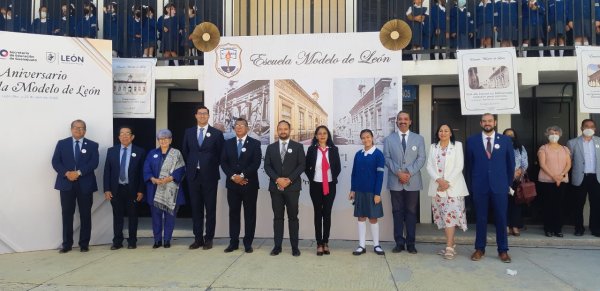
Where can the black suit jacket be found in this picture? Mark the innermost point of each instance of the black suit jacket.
(247, 164)
(208, 156)
(334, 162)
(291, 168)
(112, 168)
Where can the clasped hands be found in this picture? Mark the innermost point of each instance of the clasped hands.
(161, 181)
(403, 177)
(443, 185)
(238, 179)
(72, 175)
(282, 183)
(108, 196)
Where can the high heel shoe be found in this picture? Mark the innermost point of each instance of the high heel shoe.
(319, 250)
(326, 249)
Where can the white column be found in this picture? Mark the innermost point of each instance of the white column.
(425, 118)
(228, 16)
(351, 15)
(503, 122)
(162, 108)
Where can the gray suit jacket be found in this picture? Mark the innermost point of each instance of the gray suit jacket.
(578, 159)
(412, 161)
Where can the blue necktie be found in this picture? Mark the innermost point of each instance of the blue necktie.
(77, 152)
(239, 147)
(404, 142)
(122, 170)
(201, 137)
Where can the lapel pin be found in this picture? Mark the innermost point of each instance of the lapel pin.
(133, 155)
(243, 150)
(496, 146)
(290, 151)
(414, 148)
(155, 156)
(83, 151)
(208, 134)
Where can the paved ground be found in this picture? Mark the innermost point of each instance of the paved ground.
(572, 263)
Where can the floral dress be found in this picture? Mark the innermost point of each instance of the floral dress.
(448, 211)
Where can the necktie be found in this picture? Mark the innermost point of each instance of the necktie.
(282, 153)
(122, 169)
(488, 148)
(239, 147)
(201, 136)
(324, 169)
(404, 142)
(77, 152)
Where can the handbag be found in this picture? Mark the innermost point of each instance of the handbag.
(526, 191)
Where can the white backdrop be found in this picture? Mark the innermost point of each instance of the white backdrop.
(341, 73)
(43, 89)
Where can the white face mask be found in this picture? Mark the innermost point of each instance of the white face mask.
(462, 3)
(43, 14)
(553, 138)
(8, 17)
(588, 132)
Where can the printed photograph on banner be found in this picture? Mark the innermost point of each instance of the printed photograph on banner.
(593, 75)
(588, 78)
(489, 77)
(362, 103)
(245, 99)
(303, 103)
(133, 88)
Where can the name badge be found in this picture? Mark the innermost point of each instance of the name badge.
(290, 151)
(496, 146)
(155, 156)
(414, 148)
(243, 150)
(83, 151)
(133, 155)
(208, 134)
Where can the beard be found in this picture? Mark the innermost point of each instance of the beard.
(488, 129)
(284, 136)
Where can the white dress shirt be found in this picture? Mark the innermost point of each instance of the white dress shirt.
(319, 166)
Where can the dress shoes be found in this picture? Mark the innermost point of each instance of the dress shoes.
(411, 249)
(398, 249)
(208, 244)
(504, 257)
(157, 244)
(319, 250)
(326, 249)
(115, 247)
(596, 234)
(196, 244)
(84, 249)
(64, 250)
(548, 233)
(167, 244)
(578, 233)
(378, 250)
(477, 255)
(249, 250)
(296, 252)
(132, 246)
(231, 248)
(275, 251)
(558, 234)
(359, 251)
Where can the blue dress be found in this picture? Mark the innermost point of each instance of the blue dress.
(533, 21)
(485, 20)
(113, 32)
(187, 30)
(461, 23)
(152, 166)
(148, 32)
(134, 43)
(366, 182)
(88, 27)
(507, 20)
(557, 18)
(418, 28)
(170, 37)
(67, 26)
(438, 21)
(39, 27)
(580, 12)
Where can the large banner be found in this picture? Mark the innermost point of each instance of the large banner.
(488, 81)
(348, 82)
(133, 88)
(588, 78)
(42, 89)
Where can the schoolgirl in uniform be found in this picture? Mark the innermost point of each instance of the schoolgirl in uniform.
(148, 32)
(66, 24)
(188, 24)
(461, 26)
(438, 26)
(134, 33)
(557, 24)
(485, 22)
(533, 24)
(170, 33)
(416, 16)
(508, 16)
(88, 24)
(42, 25)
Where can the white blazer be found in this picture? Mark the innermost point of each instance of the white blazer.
(452, 171)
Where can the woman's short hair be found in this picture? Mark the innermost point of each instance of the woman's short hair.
(554, 128)
(164, 133)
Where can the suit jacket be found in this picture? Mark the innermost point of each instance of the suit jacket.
(494, 174)
(63, 160)
(412, 160)
(112, 168)
(334, 162)
(208, 156)
(452, 171)
(247, 164)
(578, 159)
(292, 166)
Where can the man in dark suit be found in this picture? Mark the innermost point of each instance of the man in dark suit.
(240, 161)
(492, 162)
(124, 185)
(202, 145)
(284, 163)
(75, 159)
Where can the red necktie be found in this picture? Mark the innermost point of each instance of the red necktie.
(324, 169)
(488, 148)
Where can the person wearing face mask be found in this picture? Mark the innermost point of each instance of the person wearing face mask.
(555, 163)
(134, 34)
(42, 25)
(112, 30)
(66, 24)
(170, 33)
(11, 23)
(515, 217)
(585, 152)
(187, 24)
(148, 32)
(88, 24)
(461, 26)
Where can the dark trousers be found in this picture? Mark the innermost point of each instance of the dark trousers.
(280, 200)
(67, 202)
(162, 219)
(515, 212)
(499, 202)
(203, 196)
(123, 202)
(322, 205)
(553, 198)
(404, 210)
(236, 199)
(589, 186)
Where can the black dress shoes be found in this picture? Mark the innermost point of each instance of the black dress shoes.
(558, 234)
(115, 247)
(548, 234)
(296, 252)
(132, 246)
(578, 233)
(411, 249)
(231, 248)
(196, 244)
(398, 249)
(84, 249)
(157, 244)
(167, 244)
(208, 244)
(275, 251)
(64, 250)
(249, 250)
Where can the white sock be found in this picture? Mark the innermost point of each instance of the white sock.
(525, 52)
(561, 52)
(375, 233)
(144, 56)
(176, 62)
(541, 51)
(166, 63)
(362, 233)
(414, 57)
(443, 54)
(586, 43)
(577, 43)
(552, 53)
(436, 55)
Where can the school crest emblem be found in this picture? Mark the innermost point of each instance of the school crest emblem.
(228, 62)
(50, 57)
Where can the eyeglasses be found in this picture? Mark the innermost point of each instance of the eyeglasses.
(125, 134)
(78, 128)
(240, 125)
(202, 113)
(164, 139)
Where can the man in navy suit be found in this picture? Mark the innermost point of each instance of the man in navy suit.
(240, 161)
(75, 159)
(492, 162)
(202, 145)
(124, 185)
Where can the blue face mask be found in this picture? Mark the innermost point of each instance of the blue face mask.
(462, 3)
